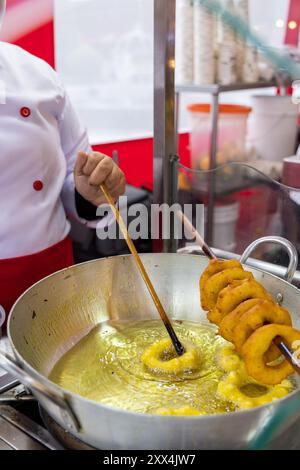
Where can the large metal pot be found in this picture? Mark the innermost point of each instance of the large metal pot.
(59, 310)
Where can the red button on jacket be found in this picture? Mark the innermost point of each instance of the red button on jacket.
(25, 112)
(38, 185)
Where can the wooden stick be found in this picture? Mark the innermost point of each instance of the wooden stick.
(287, 353)
(284, 349)
(195, 234)
(177, 344)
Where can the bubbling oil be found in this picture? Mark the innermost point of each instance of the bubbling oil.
(105, 366)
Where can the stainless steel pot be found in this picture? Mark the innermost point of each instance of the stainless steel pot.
(59, 310)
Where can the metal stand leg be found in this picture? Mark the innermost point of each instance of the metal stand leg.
(177, 114)
(213, 165)
(164, 100)
(173, 162)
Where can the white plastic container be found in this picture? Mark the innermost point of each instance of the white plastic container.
(231, 135)
(273, 127)
(225, 222)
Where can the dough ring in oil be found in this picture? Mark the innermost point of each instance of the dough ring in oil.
(183, 411)
(236, 386)
(161, 358)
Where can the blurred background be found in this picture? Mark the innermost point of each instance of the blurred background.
(103, 51)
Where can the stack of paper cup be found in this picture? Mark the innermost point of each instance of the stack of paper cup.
(240, 58)
(242, 10)
(184, 41)
(227, 64)
(250, 67)
(227, 50)
(204, 53)
(265, 69)
(247, 59)
(226, 33)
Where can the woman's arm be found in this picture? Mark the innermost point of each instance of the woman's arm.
(86, 170)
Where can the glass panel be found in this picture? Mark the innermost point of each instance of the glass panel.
(247, 205)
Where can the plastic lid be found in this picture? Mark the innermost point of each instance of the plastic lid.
(223, 108)
(292, 159)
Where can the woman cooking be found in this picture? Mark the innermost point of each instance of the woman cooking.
(47, 171)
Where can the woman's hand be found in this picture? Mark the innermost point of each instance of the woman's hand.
(92, 170)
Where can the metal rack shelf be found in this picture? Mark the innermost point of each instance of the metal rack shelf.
(215, 90)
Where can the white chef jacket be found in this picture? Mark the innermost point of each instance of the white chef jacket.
(40, 135)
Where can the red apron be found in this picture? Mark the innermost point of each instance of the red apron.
(18, 274)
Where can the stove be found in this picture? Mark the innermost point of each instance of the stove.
(24, 425)
(21, 426)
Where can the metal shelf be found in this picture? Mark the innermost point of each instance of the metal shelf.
(216, 89)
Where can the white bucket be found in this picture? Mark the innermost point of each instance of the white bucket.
(225, 220)
(273, 126)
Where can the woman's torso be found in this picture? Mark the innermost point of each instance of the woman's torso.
(32, 163)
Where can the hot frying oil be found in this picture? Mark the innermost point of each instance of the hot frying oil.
(106, 366)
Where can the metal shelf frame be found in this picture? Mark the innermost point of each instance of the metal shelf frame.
(165, 134)
(215, 91)
(166, 114)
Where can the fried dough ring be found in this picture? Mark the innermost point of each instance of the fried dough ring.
(161, 358)
(229, 322)
(215, 266)
(257, 345)
(231, 296)
(217, 282)
(256, 317)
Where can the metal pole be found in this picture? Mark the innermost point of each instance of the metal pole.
(173, 164)
(213, 165)
(177, 114)
(164, 101)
